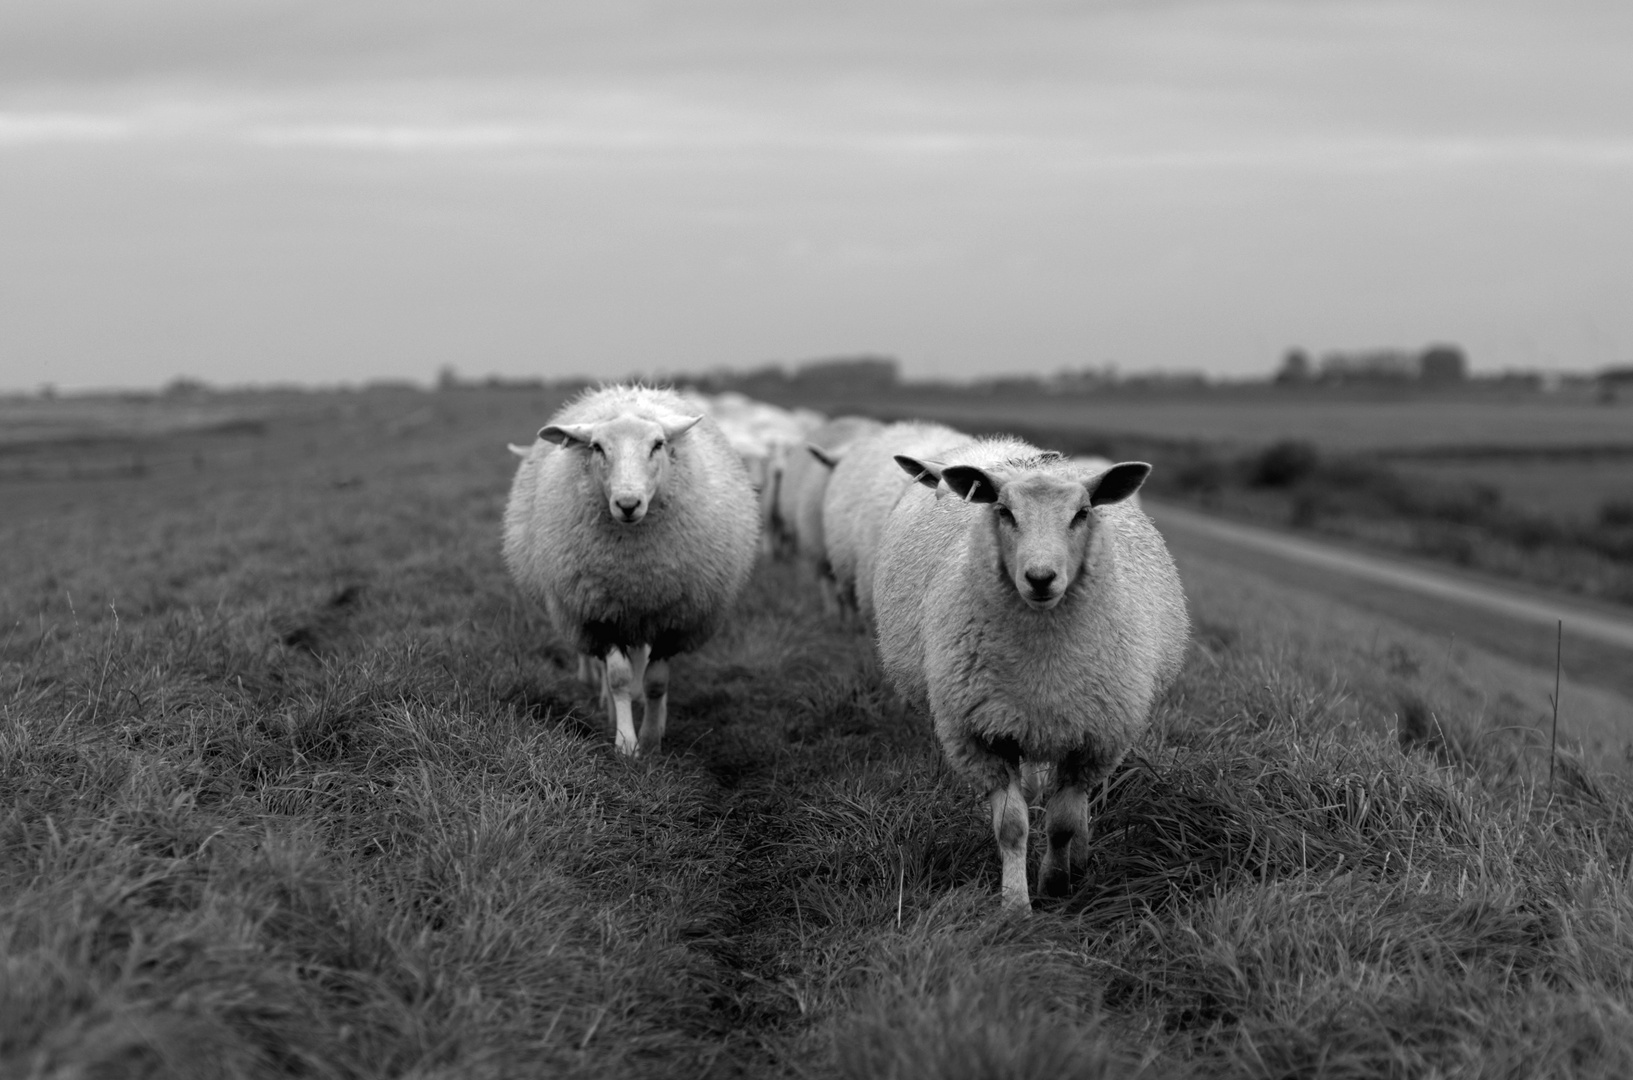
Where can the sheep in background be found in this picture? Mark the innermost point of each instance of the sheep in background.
(803, 482)
(762, 435)
(1037, 617)
(635, 525)
(864, 487)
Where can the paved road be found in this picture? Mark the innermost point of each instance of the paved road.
(1580, 620)
(1521, 623)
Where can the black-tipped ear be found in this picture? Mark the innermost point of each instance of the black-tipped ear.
(565, 433)
(827, 458)
(971, 484)
(923, 470)
(1119, 482)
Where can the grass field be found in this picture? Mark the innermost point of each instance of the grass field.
(1333, 419)
(1566, 489)
(1534, 448)
(292, 783)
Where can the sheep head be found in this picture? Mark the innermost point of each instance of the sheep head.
(628, 456)
(1043, 521)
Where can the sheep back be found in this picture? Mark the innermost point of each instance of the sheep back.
(668, 581)
(805, 483)
(864, 488)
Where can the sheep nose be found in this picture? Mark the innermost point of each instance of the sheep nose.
(1040, 580)
(627, 505)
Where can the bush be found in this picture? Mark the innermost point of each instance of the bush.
(1203, 475)
(1284, 464)
(1616, 513)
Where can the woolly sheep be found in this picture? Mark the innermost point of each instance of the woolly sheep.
(802, 483)
(861, 493)
(634, 524)
(1037, 616)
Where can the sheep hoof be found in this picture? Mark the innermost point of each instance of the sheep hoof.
(1057, 877)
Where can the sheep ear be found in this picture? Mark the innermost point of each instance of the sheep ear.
(519, 451)
(831, 460)
(567, 434)
(674, 429)
(923, 470)
(971, 484)
(1119, 482)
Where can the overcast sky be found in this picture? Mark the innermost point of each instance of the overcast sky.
(317, 191)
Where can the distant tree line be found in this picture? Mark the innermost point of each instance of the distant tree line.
(1438, 363)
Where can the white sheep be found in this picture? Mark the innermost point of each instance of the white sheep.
(861, 492)
(1037, 617)
(802, 481)
(634, 523)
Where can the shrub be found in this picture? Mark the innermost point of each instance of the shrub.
(1616, 513)
(1284, 464)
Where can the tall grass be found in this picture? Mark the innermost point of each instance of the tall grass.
(291, 783)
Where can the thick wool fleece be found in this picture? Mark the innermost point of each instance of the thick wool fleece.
(861, 493)
(668, 581)
(955, 638)
(805, 483)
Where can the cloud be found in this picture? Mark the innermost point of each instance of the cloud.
(22, 129)
(962, 179)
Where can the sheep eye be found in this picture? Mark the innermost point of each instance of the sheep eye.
(1081, 516)
(657, 446)
(1005, 514)
(597, 448)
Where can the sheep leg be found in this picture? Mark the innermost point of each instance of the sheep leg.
(656, 685)
(1009, 825)
(1066, 824)
(590, 670)
(831, 606)
(619, 685)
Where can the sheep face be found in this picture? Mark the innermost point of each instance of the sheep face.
(1043, 522)
(628, 457)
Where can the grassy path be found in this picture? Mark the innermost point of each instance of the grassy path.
(291, 784)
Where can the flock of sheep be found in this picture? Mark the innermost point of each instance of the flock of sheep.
(1020, 597)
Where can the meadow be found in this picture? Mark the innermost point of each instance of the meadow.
(1386, 419)
(292, 783)
(1522, 485)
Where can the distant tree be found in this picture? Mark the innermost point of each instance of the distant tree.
(850, 373)
(185, 386)
(1369, 366)
(1442, 364)
(1295, 367)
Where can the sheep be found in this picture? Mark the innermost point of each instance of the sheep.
(1037, 617)
(635, 525)
(762, 434)
(802, 481)
(864, 487)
